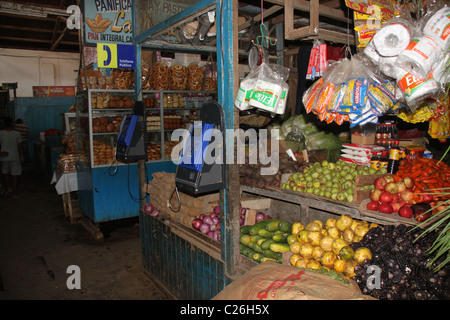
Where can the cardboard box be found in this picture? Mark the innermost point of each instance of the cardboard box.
(367, 139)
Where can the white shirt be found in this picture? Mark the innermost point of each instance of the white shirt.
(9, 141)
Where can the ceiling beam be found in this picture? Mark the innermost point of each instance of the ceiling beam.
(30, 10)
(324, 10)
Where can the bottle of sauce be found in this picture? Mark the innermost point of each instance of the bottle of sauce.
(394, 159)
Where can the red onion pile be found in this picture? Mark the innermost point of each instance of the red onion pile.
(209, 224)
(150, 210)
(259, 216)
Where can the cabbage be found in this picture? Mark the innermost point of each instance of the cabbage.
(323, 140)
(295, 141)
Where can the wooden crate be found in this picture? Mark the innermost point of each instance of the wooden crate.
(361, 181)
(393, 218)
(358, 195)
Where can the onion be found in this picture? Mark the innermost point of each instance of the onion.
(210, 234)
(212, 215)
(216, 235)
(204, 228)
(207, 220)
(213, 227)
(196, 223)
(155, 213)
(259, 216)
(216, 209)
(201, 216)
(241, 221)
(243, 211)
(148, 208)
(215, 220)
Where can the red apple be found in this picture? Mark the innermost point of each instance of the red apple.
(375, 194)
(385, 197)
(409, 182)
(401, 187)
(391, 187)
(407, 195)
(373, 205)
(405, 211)
(422, 216)
(389, 178)
(395, 198)
(386, 208)
(379, 183)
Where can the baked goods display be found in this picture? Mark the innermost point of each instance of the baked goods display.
(149, 102)
(172, 122)
(153, 122)
(154, 150)
(159, 76)
(67, 162)
(195, 77)
(106, 124)
(105, 100)
(178, 77)
(103, 153)
(210, 84)
(175, 100)
(177, 107)
(123, 79)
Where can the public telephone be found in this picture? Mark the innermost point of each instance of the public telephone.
(193, 175)
(130, 140)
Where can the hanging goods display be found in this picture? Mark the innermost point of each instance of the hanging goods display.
(264, 88)
(393, 37)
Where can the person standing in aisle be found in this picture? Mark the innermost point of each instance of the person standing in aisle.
(23, 129)
(11, 168)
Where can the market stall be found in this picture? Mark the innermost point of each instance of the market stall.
(336, 202)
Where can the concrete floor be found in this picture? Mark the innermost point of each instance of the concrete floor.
(38, 244)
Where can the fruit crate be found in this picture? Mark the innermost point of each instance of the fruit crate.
(391, 219)
(360, 182)
(359, 194)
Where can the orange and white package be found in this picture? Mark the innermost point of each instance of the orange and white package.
(310, 95)
(328, 117)
(323, 98)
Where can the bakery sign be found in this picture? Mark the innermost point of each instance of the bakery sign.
(108, 21)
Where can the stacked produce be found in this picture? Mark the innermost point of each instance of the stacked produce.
(332, 180)
(400, 259)
(250, 174)
(328, 245)
(160, 189)
(266, 240)
(209, 224)
(415, 191)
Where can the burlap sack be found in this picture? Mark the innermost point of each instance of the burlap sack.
(274, 281)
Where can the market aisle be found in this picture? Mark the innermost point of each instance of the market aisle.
(38, 244)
